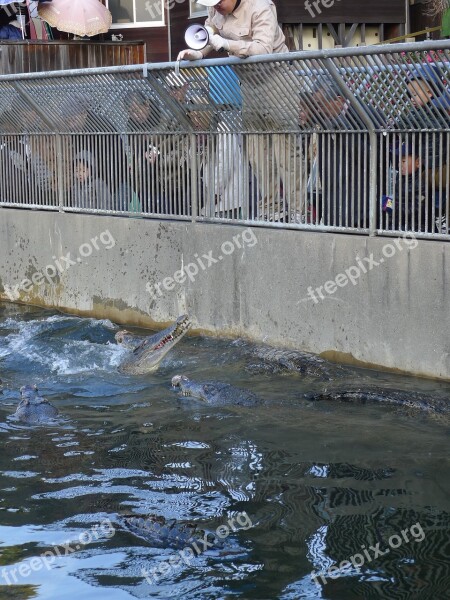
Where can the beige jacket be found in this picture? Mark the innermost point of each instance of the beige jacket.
(251, 29)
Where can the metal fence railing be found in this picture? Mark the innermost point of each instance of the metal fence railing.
(352, 140)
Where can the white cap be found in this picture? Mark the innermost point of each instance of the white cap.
(207, 2)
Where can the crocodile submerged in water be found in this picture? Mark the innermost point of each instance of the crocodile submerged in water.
(276, 360)
(148, 352)
(412, 400)
(214, 392)
(159, 532)
(33, 409)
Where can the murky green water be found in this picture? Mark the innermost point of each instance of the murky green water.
(319, 483)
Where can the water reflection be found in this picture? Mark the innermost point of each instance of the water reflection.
(319, 481)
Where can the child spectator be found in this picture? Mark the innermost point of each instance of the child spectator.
(88, 190)
(405, 209)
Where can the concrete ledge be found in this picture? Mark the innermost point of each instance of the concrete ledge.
(395, 315)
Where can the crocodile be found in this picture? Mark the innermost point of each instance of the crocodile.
(275, 360)
(214, 392)
(148, 352)
(33, 409)
(413, 400)
(162, 533)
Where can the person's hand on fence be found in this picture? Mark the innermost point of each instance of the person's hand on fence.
(219, 43)
(189, 54)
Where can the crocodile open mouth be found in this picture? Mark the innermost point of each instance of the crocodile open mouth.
(164, 341)
(179, 330)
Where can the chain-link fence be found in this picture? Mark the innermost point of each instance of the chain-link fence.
(352, 140)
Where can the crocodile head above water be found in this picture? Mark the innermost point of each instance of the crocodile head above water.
(151, 350)
(33, 409)
(214, 392)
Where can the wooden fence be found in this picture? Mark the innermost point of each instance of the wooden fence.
(35, 56)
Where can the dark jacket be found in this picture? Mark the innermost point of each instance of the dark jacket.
(161, 184)
(93, 192)
(107, 152)
(409, 202)
(434, 153)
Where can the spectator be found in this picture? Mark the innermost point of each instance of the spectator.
(138, 190)
(107, 151)
(429, 110)
(144, 113)
(405, 209)
(89, 191)
(158, 163)
(36, 156)
(13, 161)
(243, 28)
(342, 161)
(424, 90)
(248, 28)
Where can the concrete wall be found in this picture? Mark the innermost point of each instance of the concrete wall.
(394, 315)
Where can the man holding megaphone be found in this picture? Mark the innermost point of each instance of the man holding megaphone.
(241, 28)
(246, 28)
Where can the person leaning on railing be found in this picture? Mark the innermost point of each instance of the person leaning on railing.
(249, 28)
(158, 164)
(140, 191)
(342, 159)
(84, 124)
(430, 105)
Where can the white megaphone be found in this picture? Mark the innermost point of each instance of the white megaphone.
(197, 36)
